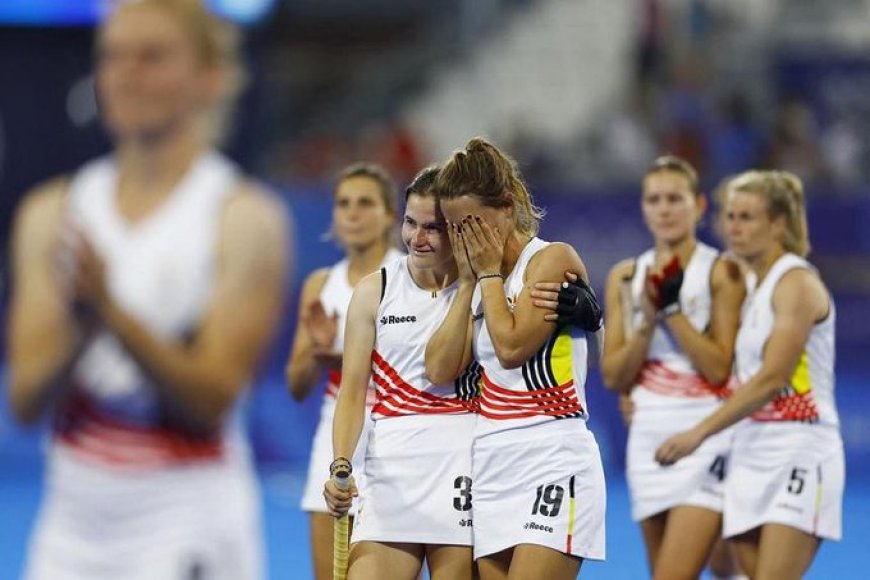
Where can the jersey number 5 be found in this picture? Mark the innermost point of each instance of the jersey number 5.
(796, 482)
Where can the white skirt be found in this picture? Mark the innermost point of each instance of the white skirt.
(543, 485)
(418, 481)
(786, 473)
(192, 521)
(696, 480)
(321, 457)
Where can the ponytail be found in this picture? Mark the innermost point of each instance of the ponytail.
(484, 172)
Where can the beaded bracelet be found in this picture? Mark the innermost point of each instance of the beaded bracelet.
(485, 276)
(337, 462)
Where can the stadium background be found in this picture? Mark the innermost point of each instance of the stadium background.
(584, 93)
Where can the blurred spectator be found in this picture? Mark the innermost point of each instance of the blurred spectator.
(793, 142)
(650, 59)
(537, 161)
(391, 145)
(686, 113)
(625, 142)
(736, 142)
(843, 151)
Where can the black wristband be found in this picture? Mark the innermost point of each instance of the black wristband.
(340, 462)
(578, 306)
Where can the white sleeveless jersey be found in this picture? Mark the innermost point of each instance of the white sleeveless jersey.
(335, 297)
(408, 316)
(161, 271)
(668, 377)
(809, 394)
(549, 386)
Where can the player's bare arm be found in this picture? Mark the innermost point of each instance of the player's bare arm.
(624, 353)
(448, 352)
(204, 378)
(356, 370)
(303, 370)
(44, 335)
(713, 353)
(799, 302)
(518, 335)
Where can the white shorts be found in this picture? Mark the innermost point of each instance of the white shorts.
(199, 521)
(418, 481)
(696, 480)
(786, 473)
(542, 484)
(321, 457)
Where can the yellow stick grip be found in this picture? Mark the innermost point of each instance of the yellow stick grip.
(340, 537)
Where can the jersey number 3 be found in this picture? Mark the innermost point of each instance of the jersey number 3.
(462, 502)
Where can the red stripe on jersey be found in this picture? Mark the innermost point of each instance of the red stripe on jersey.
(333, 385)
(396, 397)
(500, 403)
(333, 382)
(658, 378)
(82, 426)
(789, 406)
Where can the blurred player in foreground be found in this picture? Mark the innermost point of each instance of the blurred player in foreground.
(146, 289)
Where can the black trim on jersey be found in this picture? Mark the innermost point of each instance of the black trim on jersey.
(538, 374)
(827, 315)
(467, 385)
(571, 487)
(383, 284)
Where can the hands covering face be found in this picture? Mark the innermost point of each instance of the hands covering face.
(477, 247)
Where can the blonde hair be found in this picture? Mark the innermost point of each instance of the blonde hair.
(482, 171)
(675, 164)
(217, 44)
(783, 192)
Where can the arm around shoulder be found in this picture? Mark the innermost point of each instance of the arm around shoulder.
(518, 335)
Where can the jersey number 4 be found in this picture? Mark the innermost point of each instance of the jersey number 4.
(719, 467)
